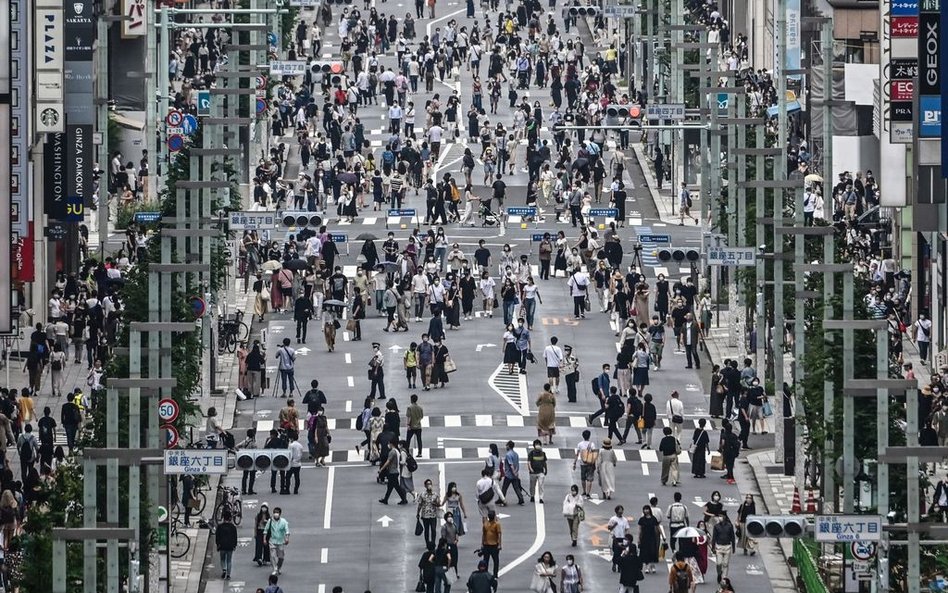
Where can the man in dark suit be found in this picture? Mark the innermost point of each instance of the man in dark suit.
(692, 335)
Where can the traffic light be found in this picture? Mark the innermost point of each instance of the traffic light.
(263, 459)
(678, 255)
(332, 71)
(301, 219)
(775, 526)
(590, 11)
(619, 114)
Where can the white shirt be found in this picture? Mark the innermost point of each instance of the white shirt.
(921, 336)
(419, 283)
(296, 454)
(434, 133)
(55, 308)
(675, 407)
(619, 526)
(578, 282)
(487, 287)
(553, 355)
(483, 485)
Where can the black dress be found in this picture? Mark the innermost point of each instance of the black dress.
(699, 457)
(648, 540)
(717, 399)
(661, 298)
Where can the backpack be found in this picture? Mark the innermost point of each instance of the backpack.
(486, 496)
(410, 463)
(360, 423)
(682, 582)
(57, 365)
(26, 451)
(676, 514)
(595, 386)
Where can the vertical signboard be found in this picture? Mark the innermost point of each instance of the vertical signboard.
(48, 60)
(54, 176)
(6, 168)
(19, 117)
(944, 97)
(79, 38)
(792, 61)
(79, 157)
(900, 27)
(929, 70)
(136, 13)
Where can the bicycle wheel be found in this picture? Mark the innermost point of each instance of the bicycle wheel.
(221, 341)
(237, 511)
(202, 502)
(219, 512)
(176, 512)
(243, 332)
(231, 341)
(178, 544)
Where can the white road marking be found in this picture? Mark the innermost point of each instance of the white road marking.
(644, 469)
(648, 455)
(452, 421)
(348, 405)
(348, 359)
(351, 381)
(327, 513)
(324, 556)
(531, 552)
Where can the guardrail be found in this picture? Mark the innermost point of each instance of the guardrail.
(809, 574)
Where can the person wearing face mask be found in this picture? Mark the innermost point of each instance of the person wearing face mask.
(712, 511)
(377, 371)
(428, 504)
(449, 533)
(571, 577)
(277, 536)
(747, 508)
(261, 553)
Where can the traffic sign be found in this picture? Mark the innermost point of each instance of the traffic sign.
(619, 12)
(198, 306)
(339, 237)
(204, 103)
(147, 216)
(260, 82)
(189, 125)
(174, 118)
(175, 142)
(171, 436)
(272, 38)
(394, 212)
(863, 550)
(848, 528)
(664, 239)
(287, 68)
(668, 111)
(195, 461)
(168, 410)
(174, 130)
(522, 211)
(261, 106)
(162, 514)
(605, 212)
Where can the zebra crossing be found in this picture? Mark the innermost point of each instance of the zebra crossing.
(491, 421)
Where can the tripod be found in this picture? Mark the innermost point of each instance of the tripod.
(294, 386)
(637, 258)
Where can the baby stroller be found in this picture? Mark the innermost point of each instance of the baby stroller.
(488, 216)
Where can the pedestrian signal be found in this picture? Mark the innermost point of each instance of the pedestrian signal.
(301, 219)
(263, 459)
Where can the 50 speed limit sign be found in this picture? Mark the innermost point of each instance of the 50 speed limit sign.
(168, 410)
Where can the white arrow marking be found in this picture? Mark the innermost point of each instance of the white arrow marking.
(244, 542)
(595, 501)
(692, 387)
(385, 520)
(237, 586)
(531, 552)
(482, 346)
(251, 503)
(303, 351)
(502, 516)
(753, 569)
(264, 413)
(395, 348)
(277, 329)
(604, 553)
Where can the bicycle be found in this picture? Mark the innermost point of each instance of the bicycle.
(231, 330)
(179, 542)
(230, 502)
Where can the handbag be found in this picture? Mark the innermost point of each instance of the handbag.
(265, 295)
(419, 528)
(449, 366)
(767, 409)
(677, 419)
(420, 587)
(580, 513)
(351, 325)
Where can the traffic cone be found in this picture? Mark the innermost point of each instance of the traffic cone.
(796, 509)
(810, 502)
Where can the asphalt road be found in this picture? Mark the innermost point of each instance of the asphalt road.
(341, 535)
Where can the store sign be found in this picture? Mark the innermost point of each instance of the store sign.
(732, 256)
(136, 13)
(929, 41)
(929, 116)
(54, 176)
(79, 158)
(905, 26)
(48, 41)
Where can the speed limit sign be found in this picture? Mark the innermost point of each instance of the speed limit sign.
(168, 410)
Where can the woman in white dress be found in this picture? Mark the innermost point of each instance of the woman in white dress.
(544, 574)
(606, 466)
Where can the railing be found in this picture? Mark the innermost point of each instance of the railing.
(806, 566)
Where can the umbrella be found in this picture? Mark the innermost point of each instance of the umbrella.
(687, 533)
(813, 178)
(389, 266)
(271, 265)
(349, 178)
(366, 237)
(333, 303)
(296, 264)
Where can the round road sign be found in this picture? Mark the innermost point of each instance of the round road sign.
(168, 410)
(175, 142)
(171, 436)
(162, 514)
(260, 82)
(261, 106)
(863, 550)
(198, 306)
(272, 38)
(189, 125)
(174, 118)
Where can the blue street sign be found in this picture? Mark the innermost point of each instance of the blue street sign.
(189, 125)
(905, 8)
(537, 237)
(272, 38)
(261, 106)
(339, 237)
(395, 213)
(147, 216)
(604, 212)
(522, 211)
(75, 209)
(175, 142)
(204, 103)
(665, 239)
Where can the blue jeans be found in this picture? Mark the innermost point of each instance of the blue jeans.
(509, 307)
(286, 379)
(226, 557)
(530, 307)
(441, 579)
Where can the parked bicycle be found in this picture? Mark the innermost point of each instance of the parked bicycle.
(230, 501)
(231, 330)
(179, 542)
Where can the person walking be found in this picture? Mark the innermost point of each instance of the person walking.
(618, 526)
(544, 574)
(286, 365)
(261, 551)
(537, 466)
(296, 461)
(700, 443)
(586, 457)
(511, 473)
(571, 577)
(491, 540)
(677, 518)
(574, 512)
(630, 569)
(745, 510)
(569, 372)
(923, 336)
(390, 472)
(670, 449)
(553, 356)
(680, 579)
(377, 372)
(675, 412)
(650, 538)
(225, 537)
(606, 468)
(480, 580)
(302, 313)
(691, 335)
(546, 416)
(277, 537)
(723, 544)
(428, 504)
(453, 502)
(414, 415)
(731, 449)
(442, 562)
(684, 205)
